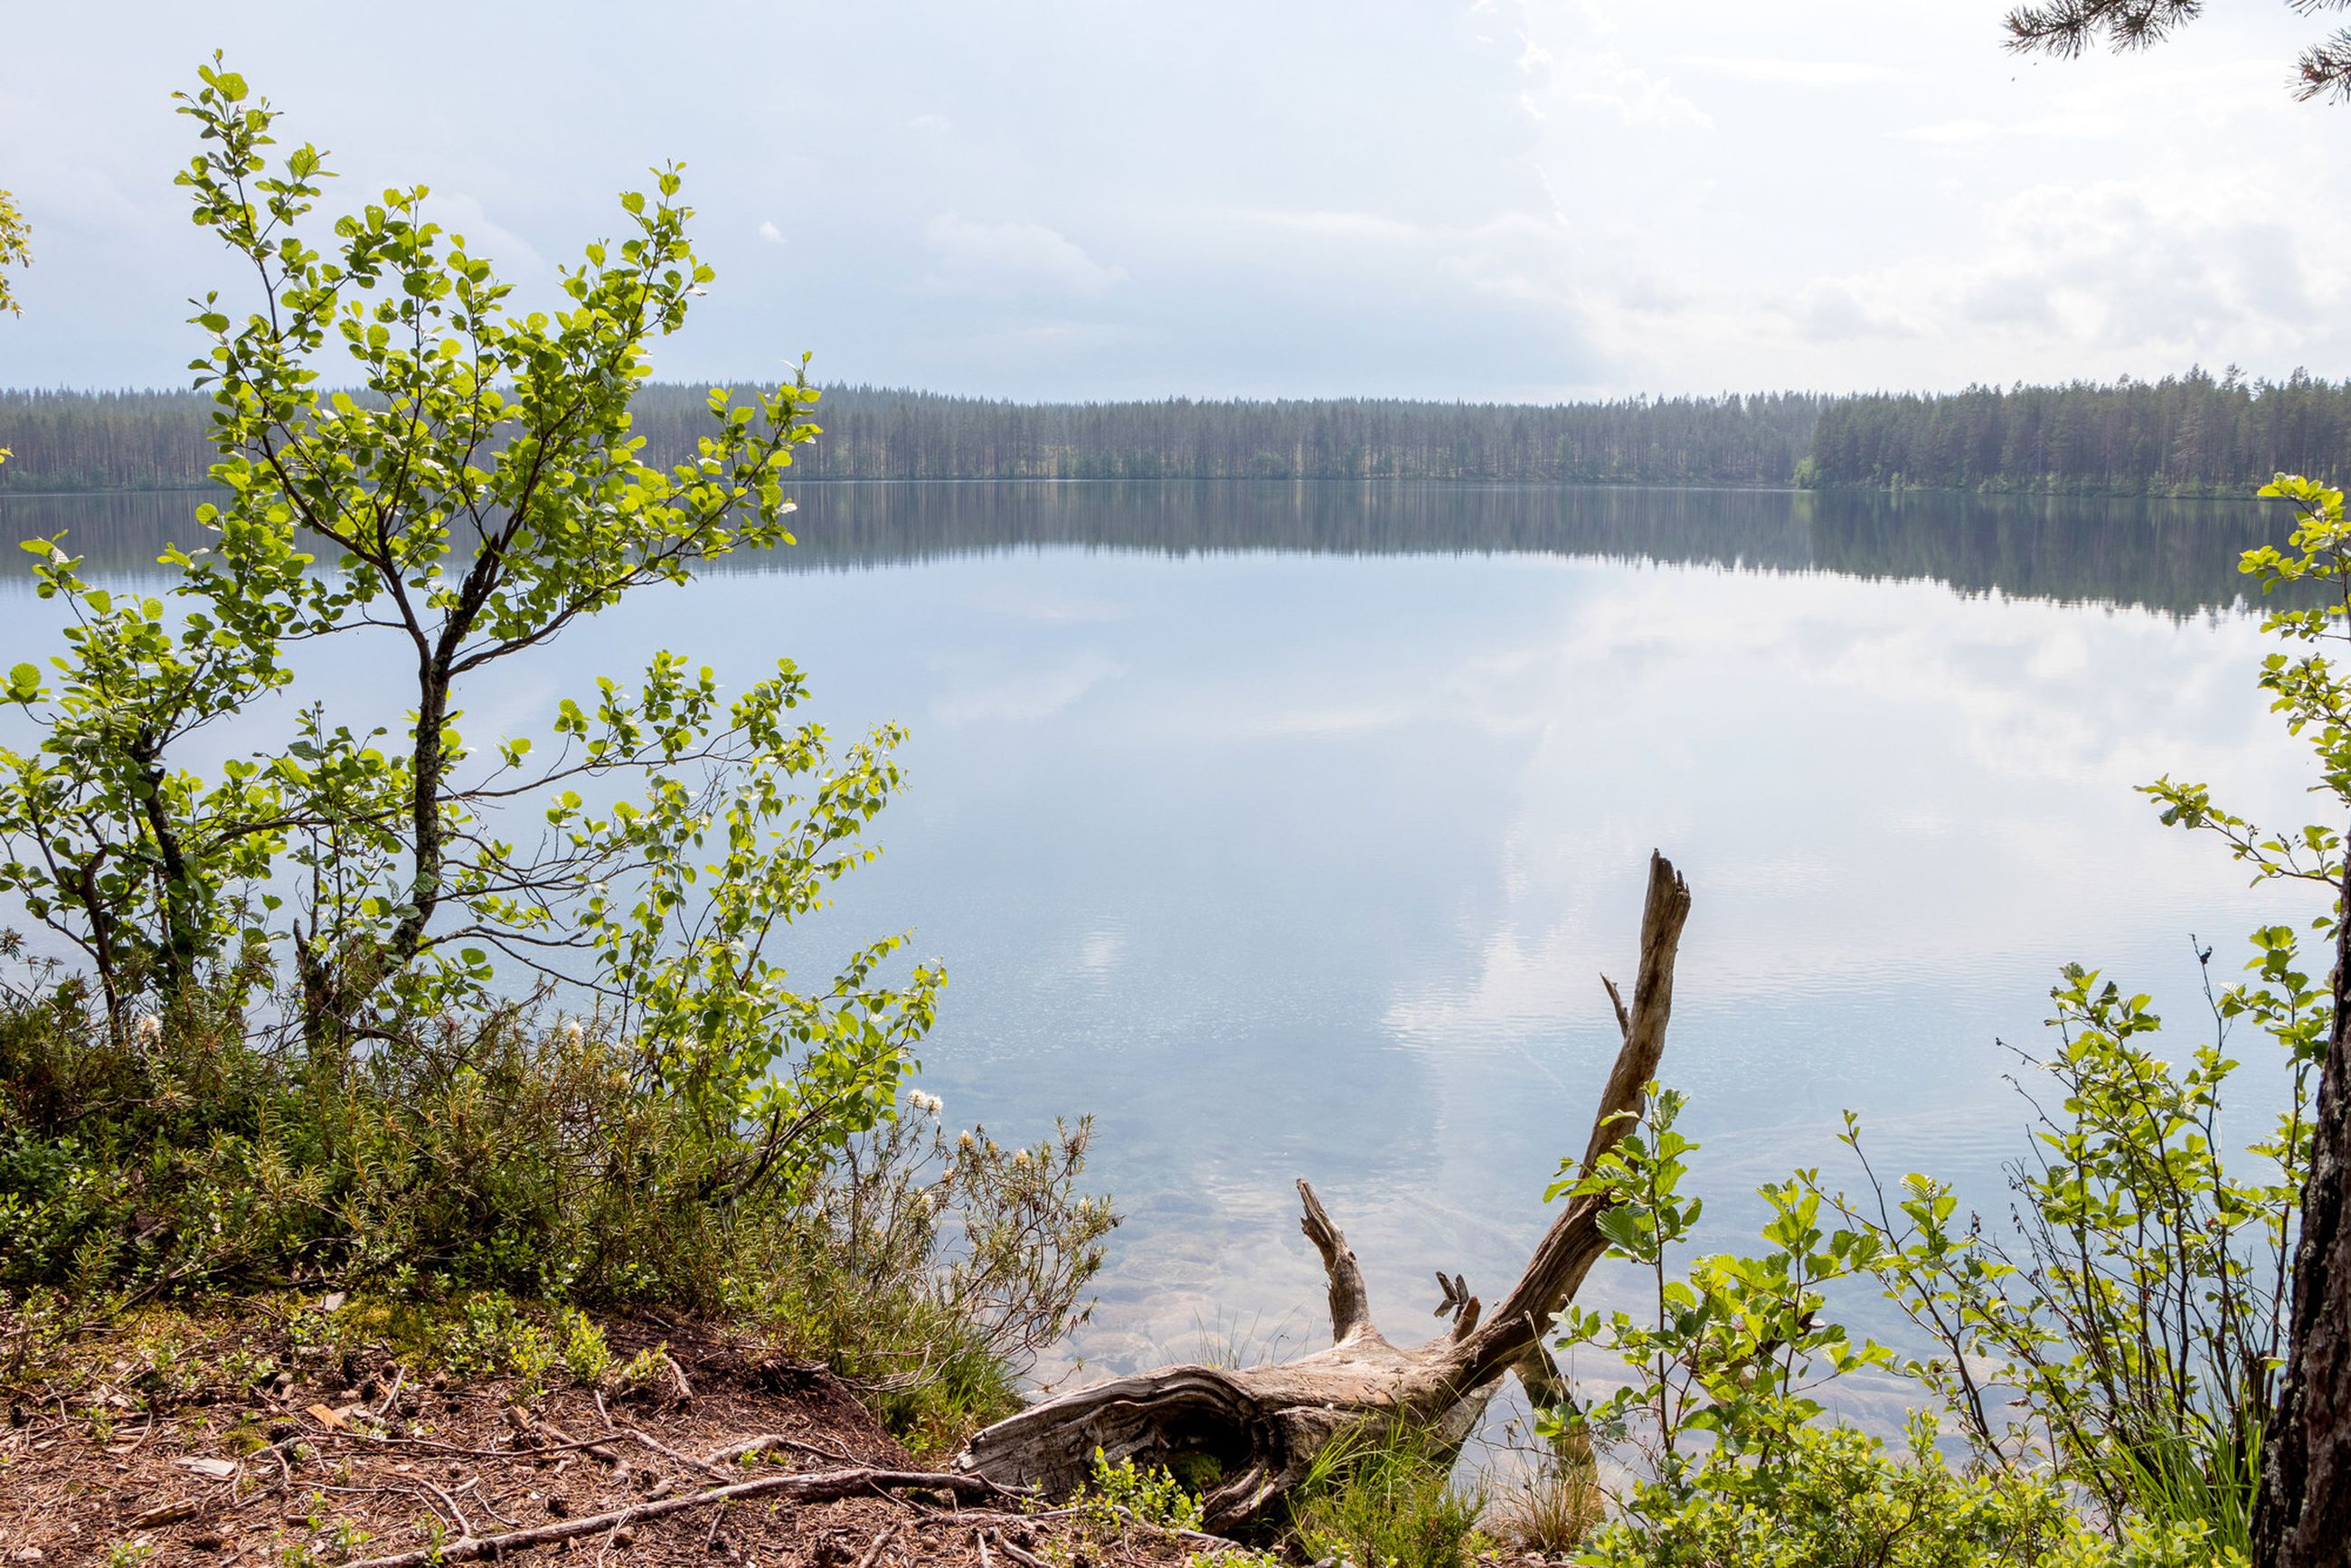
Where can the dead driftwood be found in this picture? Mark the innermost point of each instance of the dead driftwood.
(1261, 1426)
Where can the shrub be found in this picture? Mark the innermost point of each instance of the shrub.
(930, 1270)
(1730, 1464)
(525, 1163)
(1843, 1500)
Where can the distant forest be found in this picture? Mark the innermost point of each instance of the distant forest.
(2185, 435)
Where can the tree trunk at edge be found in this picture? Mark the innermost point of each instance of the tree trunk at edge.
(2303, 1518)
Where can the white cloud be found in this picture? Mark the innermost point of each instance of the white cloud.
(1637, 97)
(1514, 198)
(770, 232)
(1798, 73)
(999, 257)
(2117, 267)
(2053, 127)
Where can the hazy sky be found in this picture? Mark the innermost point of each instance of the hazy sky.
(1105, 198)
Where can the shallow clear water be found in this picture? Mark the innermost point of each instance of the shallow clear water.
(1287, 829)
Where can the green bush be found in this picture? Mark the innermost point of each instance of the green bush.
(521, 1164)
(1843, 1500)
(515, 1157)
(929, 1271)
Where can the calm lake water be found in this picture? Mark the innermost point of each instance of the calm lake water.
(1287, 829)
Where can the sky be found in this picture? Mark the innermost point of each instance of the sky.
(1076, 198)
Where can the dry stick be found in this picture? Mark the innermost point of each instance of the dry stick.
(1025, 1559)
(465, 1525)
(666, 1452)
(426, 1444)
(483, 1497)
(563, 1439)
(684, 1389)
(739, 1446)
(819, 1487)
(874, 1552)
(981, 1537)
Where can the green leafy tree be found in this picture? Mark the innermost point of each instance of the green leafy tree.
(16, 250)
(2166, 1324)
(479, 493)
(2131, 1331)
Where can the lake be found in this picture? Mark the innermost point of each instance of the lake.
(1287, 828)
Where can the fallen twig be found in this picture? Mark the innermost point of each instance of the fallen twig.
(729, 1451)
(816, 1486)
(1025, 1559)
(549, 1430)
(706, 1467)
(874, 1552)
(678, 1374)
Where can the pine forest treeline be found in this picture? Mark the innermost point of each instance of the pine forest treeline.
(2185, 435)
(74, 441)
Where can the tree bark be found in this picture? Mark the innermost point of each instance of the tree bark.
(1262, 1426)
(2302, 1517)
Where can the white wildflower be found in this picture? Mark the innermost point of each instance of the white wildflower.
(1022, 1159)
(571, 1031)
(151, 1030)
(965, 1143)
(928, 1104)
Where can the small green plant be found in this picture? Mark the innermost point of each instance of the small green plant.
(1118, 1503)
(1385, 1496)
(1731, 1349)
(1234, 1557)
(126, 1554)
(1117, 1495)
(642, 1370)
(586, 1354)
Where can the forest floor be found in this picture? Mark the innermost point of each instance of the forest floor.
(249, 1437)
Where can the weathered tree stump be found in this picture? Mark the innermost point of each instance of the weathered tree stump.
(1262, 1426)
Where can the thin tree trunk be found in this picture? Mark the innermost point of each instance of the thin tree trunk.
(2303, 1518)
(1262, 1426)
